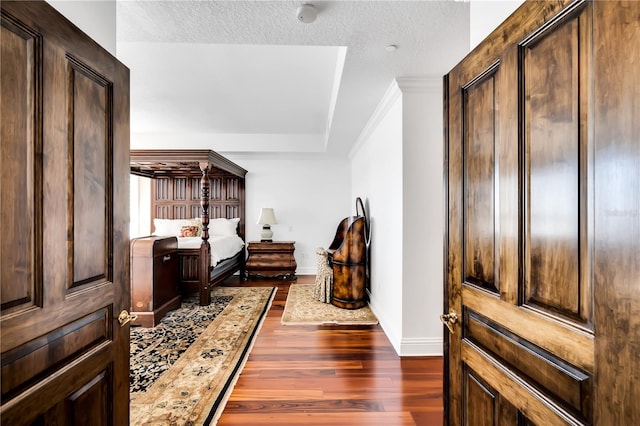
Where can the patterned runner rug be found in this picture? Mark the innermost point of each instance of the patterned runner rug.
(302, 309)
(184, 369)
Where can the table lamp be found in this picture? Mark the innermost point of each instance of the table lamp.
(266, 219)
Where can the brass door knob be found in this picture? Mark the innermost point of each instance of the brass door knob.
(124, 318)
(449, 320)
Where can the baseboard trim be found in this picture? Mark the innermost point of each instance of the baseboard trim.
(421, 346)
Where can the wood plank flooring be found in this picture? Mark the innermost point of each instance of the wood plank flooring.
(330, 375)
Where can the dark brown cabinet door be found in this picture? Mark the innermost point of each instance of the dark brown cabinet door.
(64, 216)
(542, 146)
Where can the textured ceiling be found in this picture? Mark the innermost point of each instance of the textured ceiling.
(247, 76)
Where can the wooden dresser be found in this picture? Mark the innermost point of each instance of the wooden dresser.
(271, 260)
(154, 278)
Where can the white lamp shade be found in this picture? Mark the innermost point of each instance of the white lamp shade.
(267, 217)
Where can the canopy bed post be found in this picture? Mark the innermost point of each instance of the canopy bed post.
(205, 294)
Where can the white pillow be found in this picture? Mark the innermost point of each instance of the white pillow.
(221, 226)
(169, 227)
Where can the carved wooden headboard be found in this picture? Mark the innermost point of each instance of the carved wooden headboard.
(177, 184)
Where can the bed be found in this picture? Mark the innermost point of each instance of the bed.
(197, 196)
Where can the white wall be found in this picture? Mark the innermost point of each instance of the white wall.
(97, 18)
(486, 15)
(376, 177)
(308, 192)
(422, 215)
(403, 140)
(396, 166)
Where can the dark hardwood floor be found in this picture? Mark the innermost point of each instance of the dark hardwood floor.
(330, 375)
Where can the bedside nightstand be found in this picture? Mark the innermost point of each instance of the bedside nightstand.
(271, 260)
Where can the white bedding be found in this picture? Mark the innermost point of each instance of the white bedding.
(222, 247)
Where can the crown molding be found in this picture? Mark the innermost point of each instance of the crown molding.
(420, 84)
(388, 100)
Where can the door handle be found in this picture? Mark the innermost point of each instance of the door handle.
(124, 318)
(450, 320)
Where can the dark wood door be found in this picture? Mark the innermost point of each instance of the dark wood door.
(64, 210)
(542, 285)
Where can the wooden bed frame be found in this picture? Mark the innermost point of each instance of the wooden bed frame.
(188, 184)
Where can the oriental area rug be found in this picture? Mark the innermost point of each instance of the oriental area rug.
(184, 369)
(302, 309)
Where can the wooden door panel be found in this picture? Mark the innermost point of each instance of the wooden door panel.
(508, 177)
(555, 78)
(89, 170)
(564, 384)
(617, 211)
(90, 403)
(42, 409)
(530, 402)
(485, 406)
(555, 337)
(20, 168)
(65, 151)
(39, 358)
(480, 402)
(479, 158)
